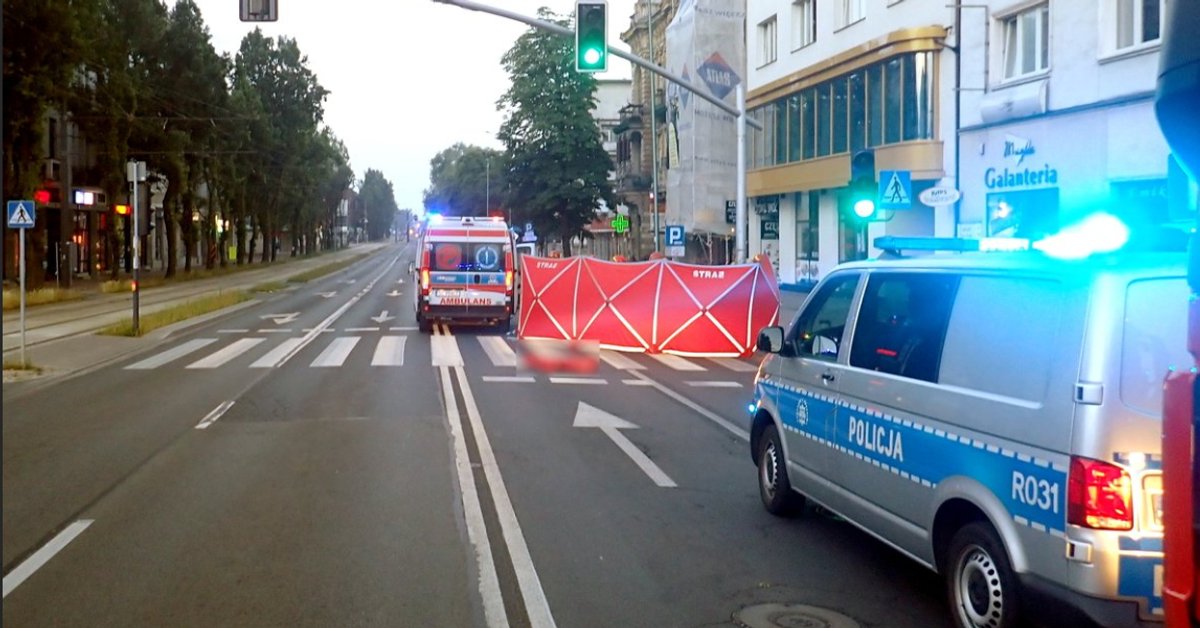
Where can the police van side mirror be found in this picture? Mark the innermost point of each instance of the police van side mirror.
(770, 339)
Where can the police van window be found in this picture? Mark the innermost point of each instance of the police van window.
(1152, 341)
(1002, 335)
(818, 330)
(902, 323)
(468, 256)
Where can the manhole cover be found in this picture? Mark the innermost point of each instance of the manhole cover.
(791, 616)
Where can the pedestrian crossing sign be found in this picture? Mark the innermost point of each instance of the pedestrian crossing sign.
(20, 214)
(895, 189)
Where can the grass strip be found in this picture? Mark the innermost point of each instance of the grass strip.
(321, 271)
(41, 296)
(16, 365)
(171, 315)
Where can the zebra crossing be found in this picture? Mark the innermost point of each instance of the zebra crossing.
(391, 350)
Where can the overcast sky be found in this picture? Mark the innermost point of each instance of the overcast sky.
(407, 78)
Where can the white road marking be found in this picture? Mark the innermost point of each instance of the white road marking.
(402, 329)
(43, 555)
(714, 384)
(676, 362)
(212, 417)
(536, 605)
(389, 351)
(702, 411)
(274, 331)
(445, 350)
(524, 379)
(734, 364)
(619, 361)
(233, 331)
(272, 358)
(228, 353)
(498, 351)
(337, 352)
(353, 330)
(323, 331)
(489, 583)
(323, 325)
(636, 382)
(172, 354)
(577, 380)
(590, 416)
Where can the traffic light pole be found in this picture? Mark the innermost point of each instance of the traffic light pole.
(738, 112)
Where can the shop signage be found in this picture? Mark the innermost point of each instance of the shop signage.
(1018, 150)
(769, 228)
(939, 196)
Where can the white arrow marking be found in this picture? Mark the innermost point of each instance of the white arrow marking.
(400, 281)
(349, 280)
(281, 318)
(394, 293)
(382, 317)
(591, 416)
(327, 295)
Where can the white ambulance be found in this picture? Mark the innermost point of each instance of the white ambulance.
(464, 272)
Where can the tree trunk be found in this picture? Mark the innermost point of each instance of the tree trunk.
(189, 232)
(254, 229)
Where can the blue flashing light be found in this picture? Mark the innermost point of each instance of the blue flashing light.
(751, 408)
(435, 218)
(1098, 233)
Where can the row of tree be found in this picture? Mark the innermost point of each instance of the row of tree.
(553, 172)
(241, 138)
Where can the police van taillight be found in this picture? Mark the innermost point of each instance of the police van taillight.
(1099, 495)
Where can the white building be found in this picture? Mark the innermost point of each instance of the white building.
(1050, 117)
(611, 96)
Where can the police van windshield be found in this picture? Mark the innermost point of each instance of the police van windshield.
(1154, 340)
(471, 257)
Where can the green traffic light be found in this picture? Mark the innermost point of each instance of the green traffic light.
(864, 208)
(591, 56)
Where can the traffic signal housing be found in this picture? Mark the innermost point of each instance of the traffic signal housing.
(862, 199)
(591, 36)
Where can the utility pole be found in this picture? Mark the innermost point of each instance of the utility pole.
(739, 111)
(653, 126)
(136, 172)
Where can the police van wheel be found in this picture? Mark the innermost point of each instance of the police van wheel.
(773, 484)
(980, 583)
(424, 324)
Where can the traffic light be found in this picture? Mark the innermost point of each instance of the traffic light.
(862, 195)
(122, 210)
(41, 196)
(591, 37)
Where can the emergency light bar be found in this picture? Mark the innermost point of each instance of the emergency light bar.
(896, 244)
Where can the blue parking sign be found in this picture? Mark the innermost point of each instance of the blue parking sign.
(674, 235)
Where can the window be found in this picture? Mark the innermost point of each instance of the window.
(781, 132)
(819, 327)
(902, 324)
(823, 120)
(804, 23)
(1027, 42)
(467, 257)
(794, 127)
(1137, 22)
(808, 113)
(893, 99)
(1151, 342)
(858, 116)
(851, 11)
(840, 115)
(767, 41)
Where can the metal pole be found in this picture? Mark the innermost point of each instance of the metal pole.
(741, 175)
(653, 127)
(487, 189)
(21, 253)
(137, 259)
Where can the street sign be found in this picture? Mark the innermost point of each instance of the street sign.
(768, 229)
(730, 212)
(674, 235)
(21, 215)
(676, 251)
(939, 196)
(895, 189)
(620, 224)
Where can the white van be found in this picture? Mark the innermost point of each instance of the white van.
(464, 272)
(994, 416)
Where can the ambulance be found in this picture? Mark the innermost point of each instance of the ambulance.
(464, 272)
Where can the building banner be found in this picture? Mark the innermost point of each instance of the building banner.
(657, 306)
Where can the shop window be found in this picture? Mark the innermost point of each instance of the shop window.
(808, 234)
(781, 132)
(918, 109)
(793, 127)
(808, 112)
(875, 105)
(1027, 42)
(1031, 214)
(858, 114)
(892, 99)
(823, 120)
(841, 115)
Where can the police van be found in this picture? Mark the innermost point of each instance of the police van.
(464, 272)
(994, 416)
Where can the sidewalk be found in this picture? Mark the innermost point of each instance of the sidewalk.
(58, 339)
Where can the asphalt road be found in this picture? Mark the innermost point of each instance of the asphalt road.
(314, 460)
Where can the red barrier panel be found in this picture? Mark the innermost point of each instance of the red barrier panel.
(655, 307)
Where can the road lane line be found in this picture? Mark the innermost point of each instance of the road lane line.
(701, 410)
(577, 380)
(402, 329)
(536, 605)
(224, 355)
(498, 351)
(636, 382)
(734, 364)
(489, 582)
(216, 413)
(706, 384)
(43, 555)
(323, 325)
(172, 354)
(233, 331)
(676, 362)
(389, 351)
(356, 330)
(445, 350)
(274, 355)
(276, 330)
(526, 379)
(337, 352)
(619, 361)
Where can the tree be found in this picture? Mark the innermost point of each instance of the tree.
(557, 168)
(465, 181)
(378, 203)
